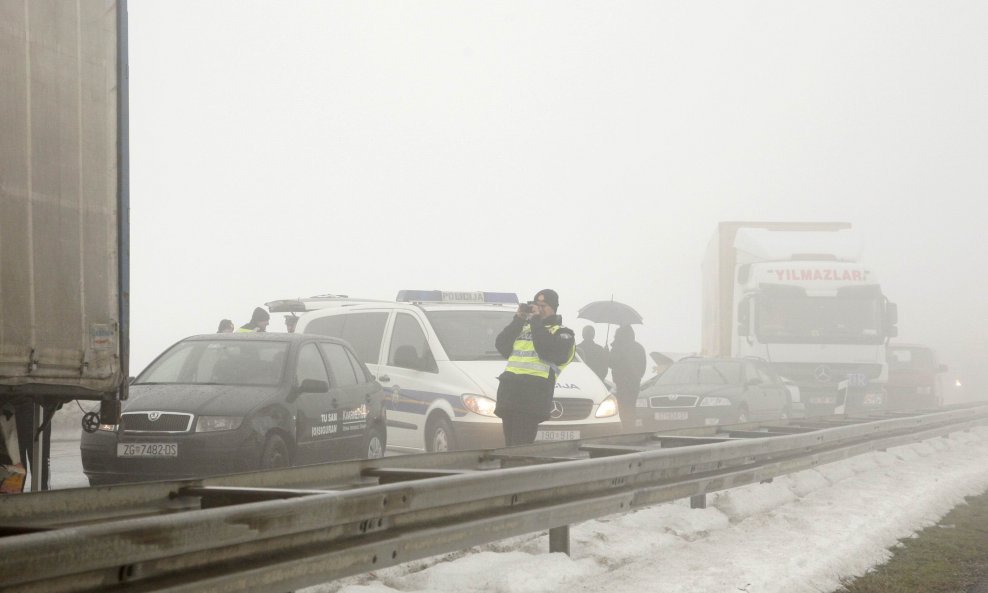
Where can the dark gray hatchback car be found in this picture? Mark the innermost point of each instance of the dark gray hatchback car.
(712, 391)
(225, 403)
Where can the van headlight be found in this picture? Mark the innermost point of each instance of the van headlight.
(479, 404)
(108, 427)
(607, 408)
(715, 401)
(218, 423)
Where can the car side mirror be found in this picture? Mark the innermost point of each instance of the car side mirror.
(942, 368)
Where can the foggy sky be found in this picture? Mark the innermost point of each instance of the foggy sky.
(285, 149)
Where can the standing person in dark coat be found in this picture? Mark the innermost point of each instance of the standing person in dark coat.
(593, 353)
(627, 362)
(538, 348)
(258, 322)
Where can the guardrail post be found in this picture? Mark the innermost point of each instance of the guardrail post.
(559, 539)
(698, 502)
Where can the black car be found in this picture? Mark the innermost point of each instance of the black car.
(712, 391)
(225, 403)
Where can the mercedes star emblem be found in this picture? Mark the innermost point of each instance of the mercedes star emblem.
(557, 410)
(822, 373)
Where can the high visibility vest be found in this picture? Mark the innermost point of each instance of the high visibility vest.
(244, 330)
(524, 360)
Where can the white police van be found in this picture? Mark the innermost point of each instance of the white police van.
(433, 352)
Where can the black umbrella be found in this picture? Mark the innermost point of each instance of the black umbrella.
(610, 312)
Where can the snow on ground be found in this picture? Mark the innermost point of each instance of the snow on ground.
(800, 533)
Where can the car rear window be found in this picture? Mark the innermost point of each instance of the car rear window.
(220, 362)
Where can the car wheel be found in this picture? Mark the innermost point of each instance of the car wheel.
(376, 443)
(275, 454)
(439, 435)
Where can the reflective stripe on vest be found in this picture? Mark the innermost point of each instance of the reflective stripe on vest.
(524, 360)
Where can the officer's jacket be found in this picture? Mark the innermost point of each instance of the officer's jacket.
(540, 348)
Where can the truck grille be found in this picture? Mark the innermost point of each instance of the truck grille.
(163, 422)
(669, 401)
(824, 374)
(573, 408)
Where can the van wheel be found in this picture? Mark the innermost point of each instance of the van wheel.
(376, 442)
(439, 435)
(275, 454)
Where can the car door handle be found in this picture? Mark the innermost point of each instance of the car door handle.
(384, 379)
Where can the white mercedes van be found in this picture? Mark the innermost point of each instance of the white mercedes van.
(433, 352)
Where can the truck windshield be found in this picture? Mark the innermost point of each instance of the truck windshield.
(702, 373)
(469, 335)
(819, 320)
(219, 362)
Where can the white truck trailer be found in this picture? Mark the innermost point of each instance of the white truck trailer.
(63, 219)
(797, 295)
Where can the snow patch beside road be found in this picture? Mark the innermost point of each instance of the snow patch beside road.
(801, 533)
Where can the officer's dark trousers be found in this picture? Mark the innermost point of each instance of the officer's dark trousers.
(519, 429)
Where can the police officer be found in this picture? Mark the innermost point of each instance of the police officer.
(538, 348)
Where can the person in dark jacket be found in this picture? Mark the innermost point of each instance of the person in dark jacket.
(627, 362)
(258, 322)
(538, 348)
(593, 353)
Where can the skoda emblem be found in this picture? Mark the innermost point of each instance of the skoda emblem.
(557, 410)
(152, 416)
(822, 373)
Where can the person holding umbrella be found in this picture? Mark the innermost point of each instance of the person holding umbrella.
(538, 348)
(627, 362)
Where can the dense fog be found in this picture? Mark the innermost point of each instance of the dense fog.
(291, 149)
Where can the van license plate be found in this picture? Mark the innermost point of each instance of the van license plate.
(557, 435)
(672, 415)
(147, 449)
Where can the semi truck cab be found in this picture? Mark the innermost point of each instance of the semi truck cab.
(798, 296)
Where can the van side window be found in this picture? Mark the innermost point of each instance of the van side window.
(339, 364)
(409, 348)
(310, 365)
(364, 331)
(326, 326)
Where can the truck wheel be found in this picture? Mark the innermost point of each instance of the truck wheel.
(376, 442)
(275, 454)
(439, 435)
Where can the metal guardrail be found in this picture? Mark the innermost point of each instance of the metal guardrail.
(285, 529)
